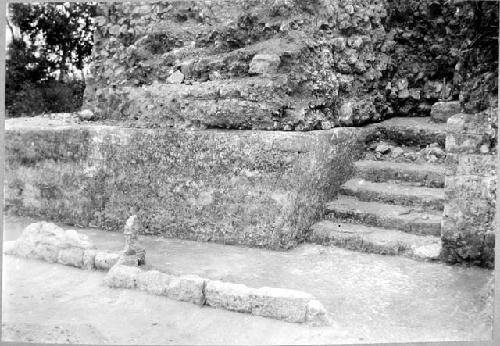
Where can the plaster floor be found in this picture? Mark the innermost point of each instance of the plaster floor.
(371, 298)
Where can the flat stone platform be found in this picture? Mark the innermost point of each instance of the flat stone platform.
(371, 298)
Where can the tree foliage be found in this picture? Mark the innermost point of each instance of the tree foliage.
(54, 38)
(60, 32)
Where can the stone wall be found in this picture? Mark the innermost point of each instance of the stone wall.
(440, 50)
(255, 188)
(468, 226)
(260, 64)
(290, 64)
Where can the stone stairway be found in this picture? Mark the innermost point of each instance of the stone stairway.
(394, 203)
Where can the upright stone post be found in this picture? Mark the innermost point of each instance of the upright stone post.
(133, 254)
(468, 224)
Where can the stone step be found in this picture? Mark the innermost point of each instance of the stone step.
(406, 219)
(383, 171)
(375, 240)
(393, 193)
(419, 131)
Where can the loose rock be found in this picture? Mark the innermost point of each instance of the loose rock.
(176, 78)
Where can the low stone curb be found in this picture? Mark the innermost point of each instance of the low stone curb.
(278, 303)
(88, 259)
(48, 242)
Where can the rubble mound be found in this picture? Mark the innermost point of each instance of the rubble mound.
(260, 64)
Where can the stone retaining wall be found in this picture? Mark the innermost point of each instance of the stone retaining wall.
(254, 188)
(468, 226)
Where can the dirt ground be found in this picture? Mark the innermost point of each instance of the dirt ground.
(371, 298)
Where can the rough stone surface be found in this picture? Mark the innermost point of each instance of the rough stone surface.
(154, 282)
(394, 193)
(187, 288)
(279, 303)
(71, 256)
(105, 260)
(229, 296)
(377, 240)
(48, 242)
(264, 63)
(176, 78)
(406, 219)
(122, 277)
(431, 251)
(316, 314)
(418, 174)
(324, 53)
(468, 226)
(361, 53)
(441, 111)
(187, 184)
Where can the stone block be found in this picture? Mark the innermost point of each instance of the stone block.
(463, 143)
(46, 252)
(467, 189)
(186, 288)
(430, 251)
(154, 282)
(72, 256)
(441, 111)
(229, 296)
(477, 165)
(279, 303)
(122, 277)
(74, 239)
(264, 64)
(105, 260)
(474, 124)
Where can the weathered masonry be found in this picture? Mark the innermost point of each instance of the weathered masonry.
(468, 226)
(238, 121)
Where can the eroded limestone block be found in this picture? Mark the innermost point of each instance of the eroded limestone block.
(428, 252)
(280, 303)
(72, 256)
(154, 282)
(176, 78)
(186, 288)
(442, 111)
(46, 252)
(229, 296)
(105, 260)
(49, 242)
(264, 63)
(122, 277)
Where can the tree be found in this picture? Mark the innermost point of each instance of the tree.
(60, 33)
(53, 37)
